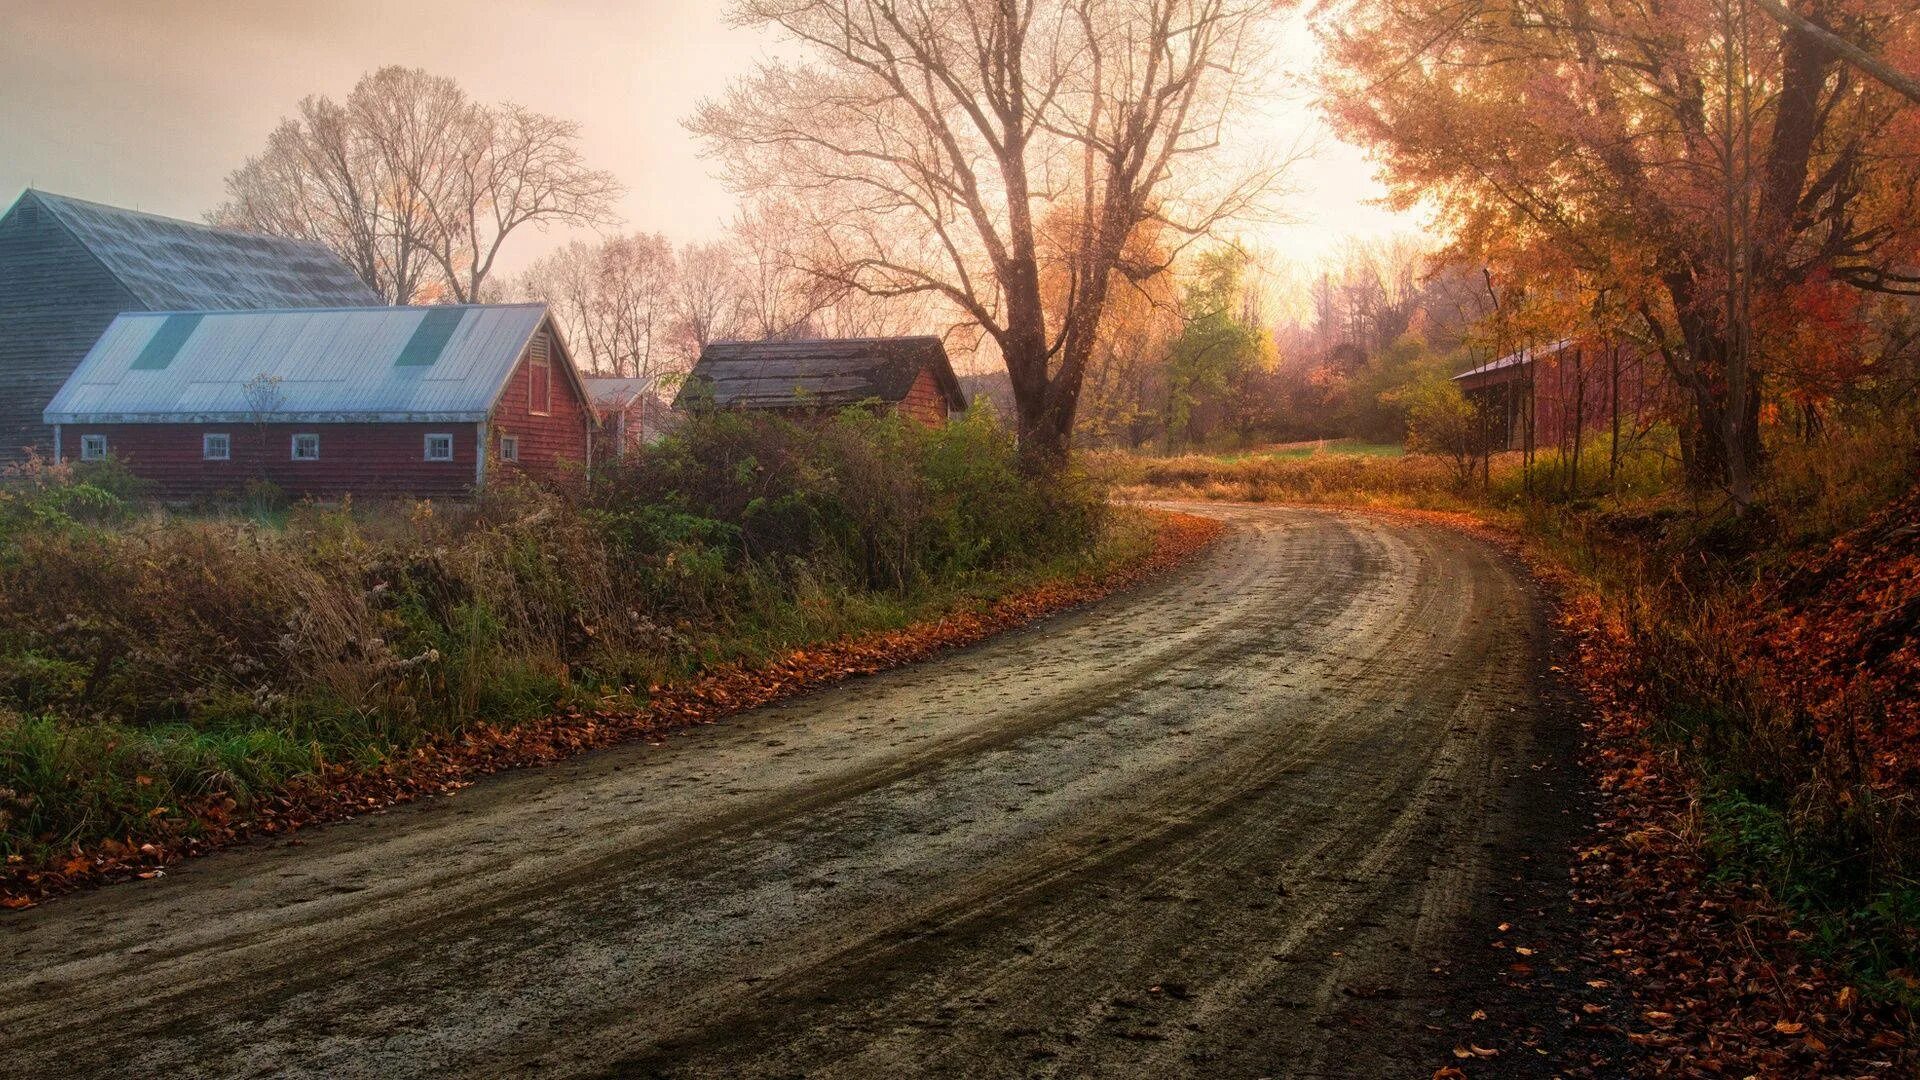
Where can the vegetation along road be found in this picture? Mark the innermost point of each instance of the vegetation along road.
(1251, 819)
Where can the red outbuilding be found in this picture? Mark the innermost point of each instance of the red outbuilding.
(400, 401)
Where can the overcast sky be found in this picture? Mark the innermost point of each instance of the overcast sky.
(150, 104)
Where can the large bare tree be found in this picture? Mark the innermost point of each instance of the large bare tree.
(414, 185)
(928, 138)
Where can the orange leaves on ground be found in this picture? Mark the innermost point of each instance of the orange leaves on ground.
(1719, 978)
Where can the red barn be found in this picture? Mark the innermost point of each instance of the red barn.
(403, 401)
(1566, 389)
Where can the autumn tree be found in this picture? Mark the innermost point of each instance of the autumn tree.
(414, 185)
(928, 139)
(1708, 170)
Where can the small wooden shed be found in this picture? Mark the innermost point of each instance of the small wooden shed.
(1545, 396)
(631, 413)
(910, 375)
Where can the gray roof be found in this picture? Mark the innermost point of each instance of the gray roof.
(618, 391)
(332, 365)
(817, 373)
(1514, 360)
(171, 265)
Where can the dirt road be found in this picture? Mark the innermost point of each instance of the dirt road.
(1244, 821)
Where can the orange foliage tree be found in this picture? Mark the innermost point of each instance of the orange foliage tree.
(1689, 162)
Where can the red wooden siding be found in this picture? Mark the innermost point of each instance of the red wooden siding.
(924, 401)
(361, 459)
(553, 446)
(1574, 388)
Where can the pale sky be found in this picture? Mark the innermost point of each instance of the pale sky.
(151, 104)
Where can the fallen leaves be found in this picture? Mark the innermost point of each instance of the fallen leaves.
(1719, 977)
(341, 792)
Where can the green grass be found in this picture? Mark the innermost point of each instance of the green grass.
(1334, 447)
(1867, 924)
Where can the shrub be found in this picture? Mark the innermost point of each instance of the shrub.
(224, 652)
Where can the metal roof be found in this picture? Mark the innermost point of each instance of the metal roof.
(172, 265)
(323, 365)
(817, 373)
(1514, 360)
(618, 392)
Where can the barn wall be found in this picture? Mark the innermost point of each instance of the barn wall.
(1572, 388)
(552, 447)
(924, 401)
(55, 302)
(358, 459)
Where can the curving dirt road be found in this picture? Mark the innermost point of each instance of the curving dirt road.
(1240, 822)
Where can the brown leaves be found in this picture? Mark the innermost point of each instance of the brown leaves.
(1717, 974)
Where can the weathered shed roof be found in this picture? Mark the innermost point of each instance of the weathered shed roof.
(172, 265)
(817, 373)
(322, 365)
(1511, 365)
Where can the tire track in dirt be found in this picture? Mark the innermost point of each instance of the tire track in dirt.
(1226, 824)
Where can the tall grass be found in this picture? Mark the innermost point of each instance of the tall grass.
(149, 657)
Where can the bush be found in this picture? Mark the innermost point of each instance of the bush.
(148, 657)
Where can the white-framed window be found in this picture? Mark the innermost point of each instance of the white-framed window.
(540, 374)
(306, 447)
(509, 447)
(439, 448)
(93, 447)
(216, 446)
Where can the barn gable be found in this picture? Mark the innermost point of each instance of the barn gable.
(55, 298)
(68, 267)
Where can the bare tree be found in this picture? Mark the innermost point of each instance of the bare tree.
(617, 301)
(514, 167)
(928, 138)
(322, 179)
(414, 185)
(708, 293)
(779, 292)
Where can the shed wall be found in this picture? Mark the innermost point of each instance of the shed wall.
(924, 401)
(553, 447)
(358, 459)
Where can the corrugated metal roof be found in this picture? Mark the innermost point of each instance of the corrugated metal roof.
(172, 265)
(1521, 358)
(325, 365)
(817, 373)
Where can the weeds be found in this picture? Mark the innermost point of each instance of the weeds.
(149, 658)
